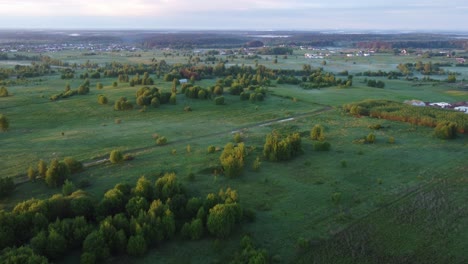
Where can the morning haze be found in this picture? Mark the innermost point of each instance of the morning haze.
(233, 132)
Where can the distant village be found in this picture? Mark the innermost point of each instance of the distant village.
(458, 106)
(42, 48)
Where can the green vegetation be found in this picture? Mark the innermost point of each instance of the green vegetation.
(294, 125)
(423, 116)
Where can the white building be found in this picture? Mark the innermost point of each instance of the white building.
(441, 104)
(462, 109)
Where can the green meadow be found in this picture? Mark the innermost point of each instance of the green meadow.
(306, 207)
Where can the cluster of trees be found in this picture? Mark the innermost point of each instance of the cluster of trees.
(82, 90)
(123, 104)
(446, 130)
(56, 172)
(146, 96)
(67, 73)
(374, 83)
(232, 159)
(275, 51)
(424, 116)
(319, 79)
(137, 80)
(195, 92)
(428, 68)
(127, 220)
(33, 70)
(278, 147)
(380, 73)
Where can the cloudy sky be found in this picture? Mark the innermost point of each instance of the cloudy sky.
(238, 14)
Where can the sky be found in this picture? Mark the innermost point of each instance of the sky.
(434, 15)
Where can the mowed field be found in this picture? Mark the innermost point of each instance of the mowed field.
(294, 201)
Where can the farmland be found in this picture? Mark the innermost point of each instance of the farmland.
(311, 208)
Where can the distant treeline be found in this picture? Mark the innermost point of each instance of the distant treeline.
(416, 44)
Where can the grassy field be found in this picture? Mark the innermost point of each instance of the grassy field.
(318, 197)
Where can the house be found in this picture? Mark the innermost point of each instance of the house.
(462, 109)
(441, 105)
(182, 81)
(415, 103)
(460, 60)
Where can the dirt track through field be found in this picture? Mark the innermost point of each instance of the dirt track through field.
(134, 152)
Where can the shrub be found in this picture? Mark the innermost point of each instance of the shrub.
(116, 156)
(211, 149)
(173, 99)
(56, 173)
(155, 102)
(237, 137)
(7, 186)
(161, 141)
(73, 164)
(322, 146)
(446, 130)
(256, 164)
(4, 123)
(3, 92)
(232, 159)
(102, 99)
(391, 140)
(31, 174)
(68, 188)
(370, 138)
(219, 100)
(317, 133)
(280, 148)
(123, 104)
(99, 86)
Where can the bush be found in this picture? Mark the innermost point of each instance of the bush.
(68, 188)
(322, 146)
(31, 174)
(370, 138)
(446, 130)
(56, 173)
(4, 123)
(219, 100)
(3, 92)
(116, 156)
(7, 186)
(173, 99)
(161, 141)
(102, 99)
(232, 159)
(317, 133)
(73, 165)
(280, 148)
(237, 137)
(211, 149)
(155, 102)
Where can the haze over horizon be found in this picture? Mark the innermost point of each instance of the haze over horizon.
(243, 14)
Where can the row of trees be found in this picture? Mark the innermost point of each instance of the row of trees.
(127, 220)
(56, 172)
(425, 116)
(81, 90)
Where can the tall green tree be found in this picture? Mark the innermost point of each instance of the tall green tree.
(57, 173)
